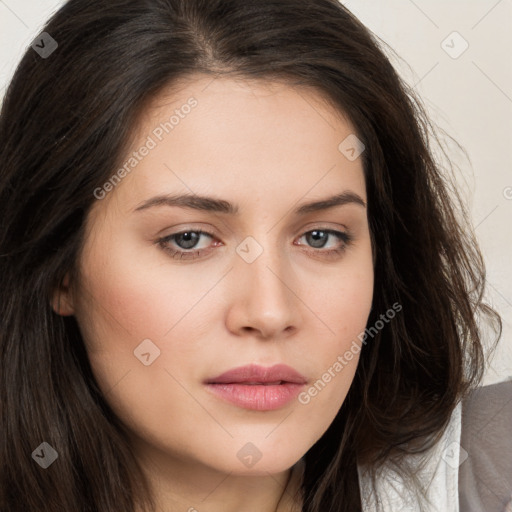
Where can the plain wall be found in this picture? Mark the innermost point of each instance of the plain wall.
(467, 93)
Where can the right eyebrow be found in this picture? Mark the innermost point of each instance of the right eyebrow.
(213, 204)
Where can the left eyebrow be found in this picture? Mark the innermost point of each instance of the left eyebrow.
(212, 204)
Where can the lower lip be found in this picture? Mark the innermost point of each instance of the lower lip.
(257, 397)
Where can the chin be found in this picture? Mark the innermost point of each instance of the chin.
(250, 461)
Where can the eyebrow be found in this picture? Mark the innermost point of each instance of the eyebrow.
(212, 204)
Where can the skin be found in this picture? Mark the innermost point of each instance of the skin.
(268, 148)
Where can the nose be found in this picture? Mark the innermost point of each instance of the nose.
(265, 297)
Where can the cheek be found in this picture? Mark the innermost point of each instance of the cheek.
(130, 296)
(343, 305)
(335, 357)
(130, 307)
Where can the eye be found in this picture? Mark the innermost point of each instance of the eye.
(186, 242)
(318, 238)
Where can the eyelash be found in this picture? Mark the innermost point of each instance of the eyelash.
(196, 253)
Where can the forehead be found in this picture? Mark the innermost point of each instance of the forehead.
(257, 103)
(237, 137)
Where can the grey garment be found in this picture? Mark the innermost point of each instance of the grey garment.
(485, 477)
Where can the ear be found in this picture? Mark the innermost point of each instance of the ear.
(62, 300)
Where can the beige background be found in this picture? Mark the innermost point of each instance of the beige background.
(467, 93)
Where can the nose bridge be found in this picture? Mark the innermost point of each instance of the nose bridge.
(262, 258)
(261, 269)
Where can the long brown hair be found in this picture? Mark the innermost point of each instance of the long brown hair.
(65, 122)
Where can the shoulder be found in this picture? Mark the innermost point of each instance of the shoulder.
(485, 476)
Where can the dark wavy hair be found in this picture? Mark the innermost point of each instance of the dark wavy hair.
(64, 125)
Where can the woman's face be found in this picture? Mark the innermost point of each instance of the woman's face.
(272, 282)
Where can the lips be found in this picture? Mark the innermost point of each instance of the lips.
(253, 374)
(257, 387)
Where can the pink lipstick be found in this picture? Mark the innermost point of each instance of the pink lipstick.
(256, 387)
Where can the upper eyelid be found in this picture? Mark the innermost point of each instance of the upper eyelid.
(330, 231)
(342, 229)
(311, 226)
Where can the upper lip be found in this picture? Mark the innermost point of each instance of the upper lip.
(253, 373)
